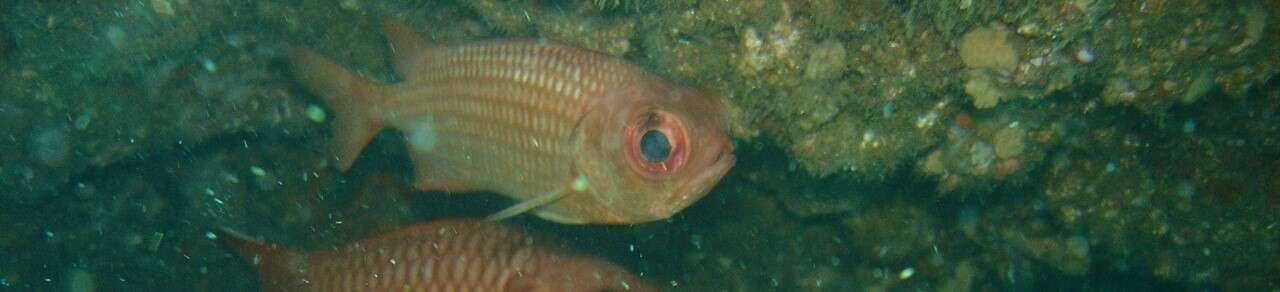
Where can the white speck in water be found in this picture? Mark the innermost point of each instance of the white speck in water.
(1085, 56)
(210, 235)
(906, 273)
(258, 171)
(209, 65)
(869, 139)
(315, 113)
(1111, 167)
(82, 121)
(927, 120)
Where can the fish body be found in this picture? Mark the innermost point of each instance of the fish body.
(573, 135)
(445, 255)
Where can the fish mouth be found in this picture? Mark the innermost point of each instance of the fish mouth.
(698, 187)
(703, 183)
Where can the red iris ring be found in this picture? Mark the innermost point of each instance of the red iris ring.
(668, 126)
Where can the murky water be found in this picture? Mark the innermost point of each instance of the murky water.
(880, 145)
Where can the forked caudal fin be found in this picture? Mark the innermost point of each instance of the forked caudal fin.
(352, 98)
(279, 268)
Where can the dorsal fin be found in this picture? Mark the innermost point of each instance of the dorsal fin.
(407, 46)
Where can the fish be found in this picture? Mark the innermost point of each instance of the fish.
(572, 135)
(442, 255)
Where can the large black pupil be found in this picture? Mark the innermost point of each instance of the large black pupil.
(654, 146)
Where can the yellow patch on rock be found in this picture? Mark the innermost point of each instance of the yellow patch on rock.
(1010, 142)
(983, 90)
(988, 48)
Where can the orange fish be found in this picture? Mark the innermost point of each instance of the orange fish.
(445, 255)
(573, 135)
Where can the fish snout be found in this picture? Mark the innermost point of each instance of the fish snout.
(697, 187)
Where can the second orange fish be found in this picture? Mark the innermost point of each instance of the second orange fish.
(445, 255)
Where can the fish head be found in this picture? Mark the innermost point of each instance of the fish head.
(652, 148)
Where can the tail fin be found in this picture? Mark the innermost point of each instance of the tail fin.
(280, 269)
(347, 94)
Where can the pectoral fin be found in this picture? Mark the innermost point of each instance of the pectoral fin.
(530, 204)
(579, 185)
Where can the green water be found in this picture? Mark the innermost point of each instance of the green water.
(881, 145)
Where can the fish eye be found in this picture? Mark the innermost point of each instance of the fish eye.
(654, 146)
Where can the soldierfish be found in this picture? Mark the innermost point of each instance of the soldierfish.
(573, 135)
(445, 255)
